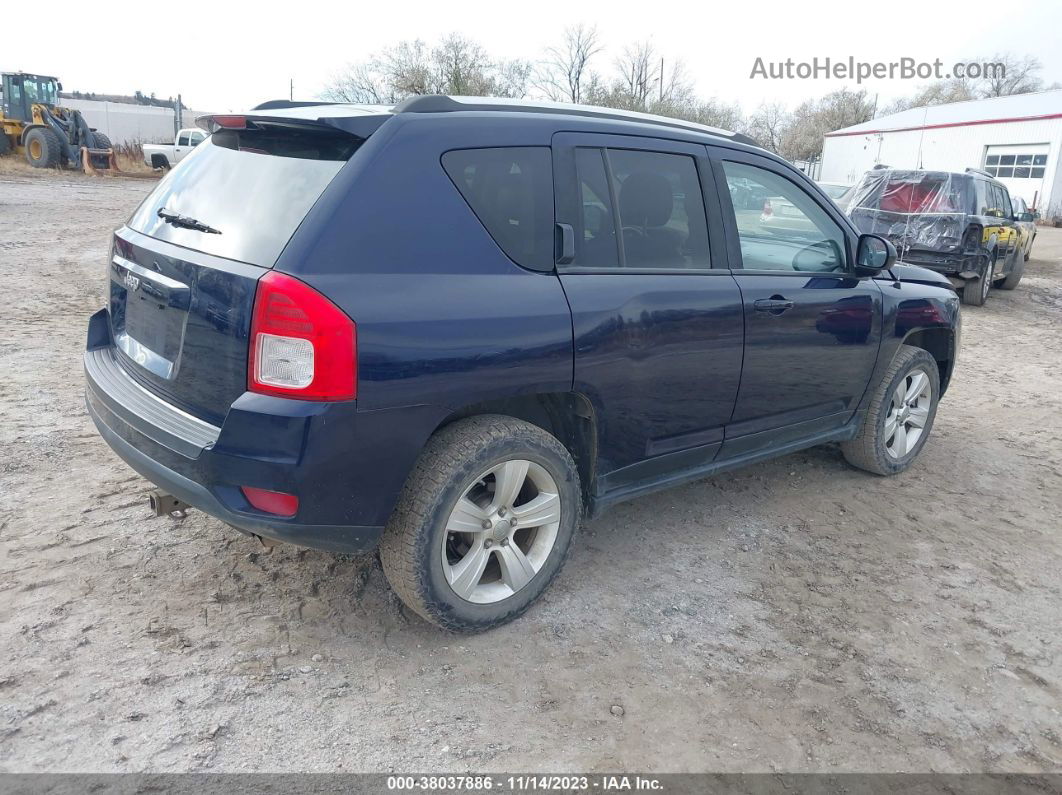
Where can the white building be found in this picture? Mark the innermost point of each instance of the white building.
(124, 123)
(1016, 139)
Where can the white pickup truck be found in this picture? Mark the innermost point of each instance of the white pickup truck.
(169, 155)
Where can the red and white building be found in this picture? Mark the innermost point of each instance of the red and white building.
(1016, 139)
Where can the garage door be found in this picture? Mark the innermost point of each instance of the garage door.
(1020, 167)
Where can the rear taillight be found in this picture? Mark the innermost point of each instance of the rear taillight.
(302, 345)
(767, 209)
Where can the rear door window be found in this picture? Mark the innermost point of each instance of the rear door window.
(510, 189)
(661, 210)
(253, 186)
(654, 198)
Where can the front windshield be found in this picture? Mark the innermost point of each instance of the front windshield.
(42, 90)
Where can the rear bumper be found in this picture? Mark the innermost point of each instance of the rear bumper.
(264, 442)
(335, 538)
(957, 267)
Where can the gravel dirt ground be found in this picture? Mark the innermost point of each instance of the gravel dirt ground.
(794, 616)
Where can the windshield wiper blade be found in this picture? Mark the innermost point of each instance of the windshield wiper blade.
(186, 222)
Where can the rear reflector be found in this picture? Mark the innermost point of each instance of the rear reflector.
(302, 345)
(273, 502)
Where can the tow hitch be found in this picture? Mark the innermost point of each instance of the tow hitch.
(163, 504)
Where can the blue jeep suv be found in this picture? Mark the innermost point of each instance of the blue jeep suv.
(456, 327)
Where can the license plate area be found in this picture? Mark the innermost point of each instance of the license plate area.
(149, 312)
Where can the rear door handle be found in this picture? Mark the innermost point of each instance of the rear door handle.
(776, 304)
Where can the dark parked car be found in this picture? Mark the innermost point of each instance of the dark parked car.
(454, 328)
(961, 225)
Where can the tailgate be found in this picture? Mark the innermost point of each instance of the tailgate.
(180, 321)
(183, 272)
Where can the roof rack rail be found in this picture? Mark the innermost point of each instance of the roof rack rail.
(979, 171)
(277, 104)
(440, 103)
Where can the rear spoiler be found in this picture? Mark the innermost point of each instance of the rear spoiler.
(360, 126)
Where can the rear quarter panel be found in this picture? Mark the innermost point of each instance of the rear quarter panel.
(444, 318)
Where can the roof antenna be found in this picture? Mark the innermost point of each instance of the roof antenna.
(922, 134)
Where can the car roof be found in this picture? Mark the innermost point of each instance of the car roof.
(332, 112)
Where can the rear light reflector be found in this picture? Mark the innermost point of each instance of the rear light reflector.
(274, 502)
(302, 345)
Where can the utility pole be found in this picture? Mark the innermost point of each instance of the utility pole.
(661, 80)
(291, 88)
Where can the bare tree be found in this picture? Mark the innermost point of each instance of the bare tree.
(462, 67)
(812, 119)
(387, 77)
(1012, 75)
(562, 76)
(941, 92)
(1003, 75)
(457, 65)
(768, 125)
(639, 74)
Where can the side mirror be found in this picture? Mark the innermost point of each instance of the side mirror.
(873, 255)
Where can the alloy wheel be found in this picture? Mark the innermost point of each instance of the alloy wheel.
(908, 413)
(986, 281)
(501, 531)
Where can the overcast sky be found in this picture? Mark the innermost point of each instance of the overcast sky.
(228, 57)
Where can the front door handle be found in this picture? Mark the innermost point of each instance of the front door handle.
(776, 304)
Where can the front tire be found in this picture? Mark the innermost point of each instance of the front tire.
(1016, 272)
(483, 524)
(101, 141)
(43, 148)
(900, 415)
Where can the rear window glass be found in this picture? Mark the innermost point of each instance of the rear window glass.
(914, 192)
(511, 192)
(253, 186)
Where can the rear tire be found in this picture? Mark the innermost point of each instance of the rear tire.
(5, 144)
(43, 148)
(878, 447)
(101, 141)
(432, 566)
(975, 291)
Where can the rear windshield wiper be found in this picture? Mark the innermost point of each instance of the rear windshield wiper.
(186, 222)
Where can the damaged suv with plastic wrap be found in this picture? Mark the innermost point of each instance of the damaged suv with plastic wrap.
(960, 225)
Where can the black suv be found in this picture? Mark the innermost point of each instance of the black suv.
(961, 225)
(454, 328)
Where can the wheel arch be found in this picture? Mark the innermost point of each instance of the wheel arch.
(159, 160)
(569, 416)
(938, 343)
(30, 128)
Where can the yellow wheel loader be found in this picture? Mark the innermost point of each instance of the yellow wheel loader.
(49, 136)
